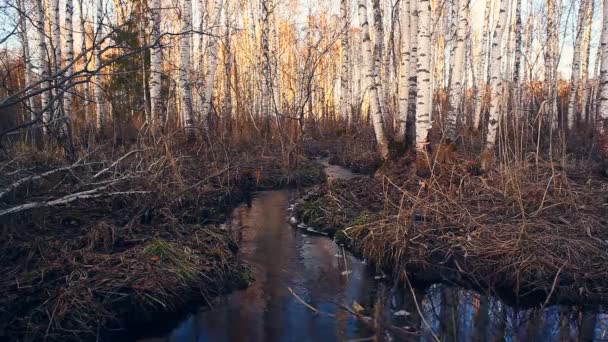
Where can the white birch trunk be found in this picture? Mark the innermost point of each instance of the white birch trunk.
(413, 73)
(69, 60)
(576, 65)
(345, 75)
(30, 64)
(423, 114)
(266, 84)
(378, 53)
(156, 55)
(210, 77)
(404, 76)
(458, 72)
(45, 70)
(496, 87)
(184, 69)
(585, 64)
(550, 65)
(100, 112)
(483, 69)
(85, 60)
(56, 44)
(602, 120)
(371, 77)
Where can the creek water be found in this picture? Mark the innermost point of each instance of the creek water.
(292, 268)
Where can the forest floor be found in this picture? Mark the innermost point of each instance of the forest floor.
(529, 233)
(123, 236)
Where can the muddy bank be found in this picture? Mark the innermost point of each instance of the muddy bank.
(524, 234)
(139, 234)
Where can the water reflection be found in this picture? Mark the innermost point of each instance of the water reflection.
(325, 277)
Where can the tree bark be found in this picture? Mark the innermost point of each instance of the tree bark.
(458, 72)
(371, 77)
(496, 87)
(602, 121)
(184, 69)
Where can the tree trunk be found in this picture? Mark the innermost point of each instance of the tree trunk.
(184, 69)
(585, 64)
(156, 100)
(576, 65)
(404, 75)
(410, 131)
(602, 120)
(210, 76)
(57, 110)
(45, 69)
(266, 85)
(424, 77)
(100, 113)
(483, 69)
(371, 77)
(458, 72)
(66, 127)
(378, 53)
(550, 66)
(496, 88)
(345, 87)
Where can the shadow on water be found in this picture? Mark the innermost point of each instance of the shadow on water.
(320, 273)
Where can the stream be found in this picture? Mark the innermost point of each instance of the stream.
(292, 267)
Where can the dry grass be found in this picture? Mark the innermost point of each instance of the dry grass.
(91, 267)
(524, 231)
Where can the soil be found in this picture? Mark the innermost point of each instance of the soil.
(89, 269)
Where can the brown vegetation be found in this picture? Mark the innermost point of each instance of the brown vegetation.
(123, 235)
(528, 232)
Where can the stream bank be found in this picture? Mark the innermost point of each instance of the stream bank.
(530, 235)
(88, 269)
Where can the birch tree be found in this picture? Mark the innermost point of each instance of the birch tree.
(483, 70)
(496, 88)
(45, 71)
(424, 78)
(550, 66)
(100, 113)
(602, 122)
(30, 64)
(413, 73)
(404, 76)
(457, 79)
(69, 61)
(156, 104)
(576, 64)
(378, 53)
(371, 77)
(184, 69)
(57, 110)
(585, 63)
(210, 76)
(345, 75)
(266, 85)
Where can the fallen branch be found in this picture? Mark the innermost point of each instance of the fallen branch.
(88, 194)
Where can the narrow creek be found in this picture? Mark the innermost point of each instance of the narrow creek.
(291, 267)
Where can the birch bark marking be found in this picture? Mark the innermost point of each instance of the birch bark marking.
(100, 113)
(69, 60)
(496, 88)
(371, 73)
(345, 87)
(404, 75)
(45, 71)
(156, 101)
(576, 65)
(184, 69)
(457, 86)
(483, 67)
(210, 76)
(602, 121)
(423, 76)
